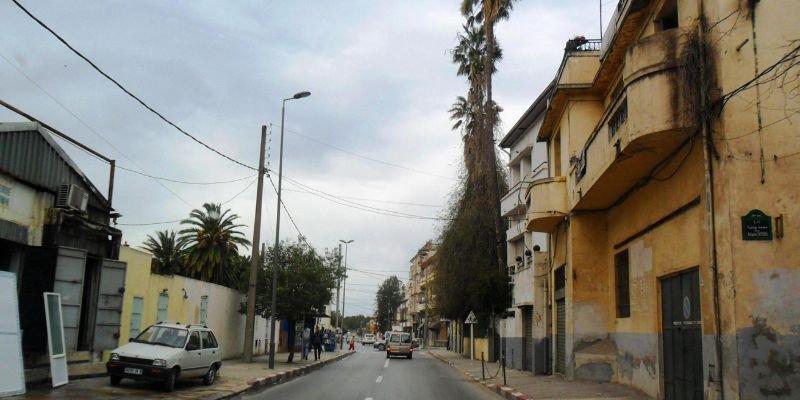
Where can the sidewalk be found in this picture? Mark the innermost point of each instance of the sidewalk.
(234, 378)
(524, 385)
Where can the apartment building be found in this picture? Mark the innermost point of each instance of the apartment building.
(522, 329)
(420, 299)
(672, 162)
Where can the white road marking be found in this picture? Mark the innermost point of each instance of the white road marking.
(368, 398)
(386, 364)
(379, 380)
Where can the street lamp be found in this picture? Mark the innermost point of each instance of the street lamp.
(273, 303)
(344, 284)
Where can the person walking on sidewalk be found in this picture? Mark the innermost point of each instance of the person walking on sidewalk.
(352, 343)
(306, 342)
(317, 340)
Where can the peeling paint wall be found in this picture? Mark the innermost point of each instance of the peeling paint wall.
(26, 207)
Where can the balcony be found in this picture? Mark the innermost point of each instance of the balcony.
(548, 204)
(515, 230)
(513, 202)
(647, 124)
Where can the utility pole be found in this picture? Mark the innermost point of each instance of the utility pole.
(339, 286)
(249, 330)
(344, 282)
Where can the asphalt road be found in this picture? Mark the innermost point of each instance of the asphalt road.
(366, 375)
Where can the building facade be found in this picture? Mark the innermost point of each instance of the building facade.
(523, 338)
(56, 236)
(672, 149)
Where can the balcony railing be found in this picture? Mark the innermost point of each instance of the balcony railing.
(583, 44)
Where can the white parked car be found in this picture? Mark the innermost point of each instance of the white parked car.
(166, 352)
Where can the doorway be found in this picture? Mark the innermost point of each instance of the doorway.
(682, 346)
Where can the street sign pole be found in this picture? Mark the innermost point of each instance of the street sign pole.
(471, 321)
(472, 341)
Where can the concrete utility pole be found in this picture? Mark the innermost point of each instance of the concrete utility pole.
(338, 286)
(249, 330)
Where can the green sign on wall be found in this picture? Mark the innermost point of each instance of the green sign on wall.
(756, 226)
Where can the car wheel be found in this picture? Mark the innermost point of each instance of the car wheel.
(211, 375)
(115, 380)
(169, 383)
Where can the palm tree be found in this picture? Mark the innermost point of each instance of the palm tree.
(212, 242)
(168, 252)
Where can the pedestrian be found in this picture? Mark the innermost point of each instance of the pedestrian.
(306, 342)
(352, 343)
(317, 340)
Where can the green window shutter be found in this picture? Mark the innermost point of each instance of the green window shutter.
(163, 304)
(203, 309)
(136, 316)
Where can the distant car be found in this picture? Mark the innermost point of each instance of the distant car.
(369, 338)
(166, 352)
(399, 344)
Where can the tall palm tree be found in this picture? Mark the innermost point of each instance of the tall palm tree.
(212, 242)
(168, 252)
(489, 12)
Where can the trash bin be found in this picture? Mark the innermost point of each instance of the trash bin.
(330, 344)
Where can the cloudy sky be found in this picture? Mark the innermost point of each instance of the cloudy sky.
(375, 132)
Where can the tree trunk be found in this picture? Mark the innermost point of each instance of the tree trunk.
(492, 157)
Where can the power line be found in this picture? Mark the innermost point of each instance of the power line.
(92, 130)
(158, 178)
(238, 194)
(368, 158)
(154, 223)
(119, 85)
(358, 206)
(404, 203)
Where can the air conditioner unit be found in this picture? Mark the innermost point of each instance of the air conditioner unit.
(72, 197)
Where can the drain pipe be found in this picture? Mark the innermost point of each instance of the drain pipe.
(708, 183)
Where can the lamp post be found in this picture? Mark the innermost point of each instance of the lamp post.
(273, 303)
(344, 283)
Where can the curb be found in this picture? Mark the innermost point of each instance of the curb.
(256, 384)
(507, 392)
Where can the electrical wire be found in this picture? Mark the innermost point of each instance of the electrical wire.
(183, 182)
(402, 203)
(358, 206)
(309, 138)
(128, 92)
(239, 194)
(86, 125)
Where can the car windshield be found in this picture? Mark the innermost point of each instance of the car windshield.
(163, 335)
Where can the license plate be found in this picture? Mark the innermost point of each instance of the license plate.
(133, 371)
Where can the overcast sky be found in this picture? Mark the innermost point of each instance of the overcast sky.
(381, 81)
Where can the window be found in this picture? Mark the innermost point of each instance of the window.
(556, 154)
(194, 342)
(617, 120)
(163, 304)
(136, 317)
(203, 309)
(623, 289)
(5, 195)
(209, 341)
(668, 17)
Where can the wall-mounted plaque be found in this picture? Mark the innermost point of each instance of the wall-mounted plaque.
(756, 226)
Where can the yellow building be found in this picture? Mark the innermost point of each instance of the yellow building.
(673, 159)
(150, 298)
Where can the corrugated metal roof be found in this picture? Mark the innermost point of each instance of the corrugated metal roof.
(30, 154)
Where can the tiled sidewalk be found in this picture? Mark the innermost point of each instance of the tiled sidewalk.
(524, 385)
(235, 377)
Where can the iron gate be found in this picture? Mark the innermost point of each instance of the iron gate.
(682, 346)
